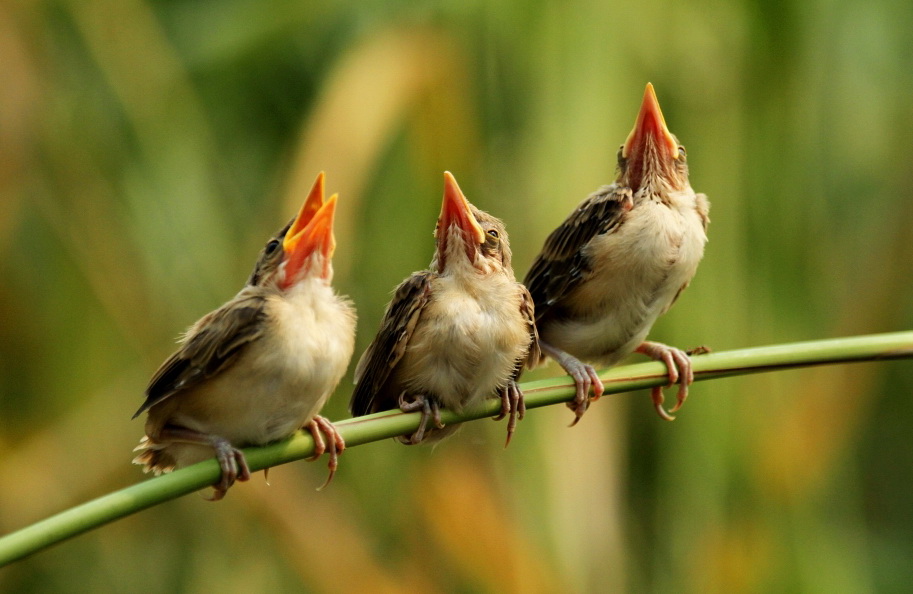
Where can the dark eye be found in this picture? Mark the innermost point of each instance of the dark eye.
(493, 233)
(271, 247)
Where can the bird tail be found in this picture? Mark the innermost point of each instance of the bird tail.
(152, 457)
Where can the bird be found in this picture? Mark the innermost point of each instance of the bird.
(453, 334)
(619, 261)
(262, 365)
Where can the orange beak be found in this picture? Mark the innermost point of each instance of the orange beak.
(649, 131)
(311, 232)
(455, 211)
(311, 205)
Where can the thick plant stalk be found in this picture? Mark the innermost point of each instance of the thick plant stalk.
(112, 506)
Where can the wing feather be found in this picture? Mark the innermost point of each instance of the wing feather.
(528, 309)
(387, 348)
(209, 347)
(562, 264)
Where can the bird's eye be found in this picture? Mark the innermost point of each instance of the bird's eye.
(681, 152)
(493, 234)
(271, 247)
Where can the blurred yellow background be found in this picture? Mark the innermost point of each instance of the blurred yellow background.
(148, 149)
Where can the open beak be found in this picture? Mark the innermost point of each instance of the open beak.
(311, 232)
(650, 140)
(311, 205)
(455, 211)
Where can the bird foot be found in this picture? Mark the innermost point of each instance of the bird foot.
(678, 366)
(234, 467)
(429, 408)
(584, 376)
(231, 459)
(512, 406)
(320, 427)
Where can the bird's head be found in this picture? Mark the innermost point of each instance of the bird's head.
(303, 248)
(468, 238)
(651, 157)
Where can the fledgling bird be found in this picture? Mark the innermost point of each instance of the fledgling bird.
(620, 260)
(455, 333)
(261, 366)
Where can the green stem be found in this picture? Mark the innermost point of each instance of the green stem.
(112, 506)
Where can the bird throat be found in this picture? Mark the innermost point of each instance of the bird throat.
(455, 252)
(650, 170)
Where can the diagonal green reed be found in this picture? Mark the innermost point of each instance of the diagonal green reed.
(110, 507)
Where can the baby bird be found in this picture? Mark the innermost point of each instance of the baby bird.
(455, 333)
(261, 366)
(620, 260)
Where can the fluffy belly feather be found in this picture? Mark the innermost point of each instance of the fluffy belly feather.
(642, 267)
(485, 336)
(275, 387)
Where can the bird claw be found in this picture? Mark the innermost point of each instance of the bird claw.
(513, 406)
(584, 376)
(233, 464)
(429, 408)
(231, 460)
(657, 395)
(320, 427)
(679, 370)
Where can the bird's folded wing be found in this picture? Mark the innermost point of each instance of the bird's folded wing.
(562, 264)
(210, 346)
(527, 308)
(391, 341)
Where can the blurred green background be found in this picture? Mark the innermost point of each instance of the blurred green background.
(148, 149)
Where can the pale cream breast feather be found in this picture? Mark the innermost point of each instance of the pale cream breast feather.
(643, 265)
(486, 335)
(281, 380)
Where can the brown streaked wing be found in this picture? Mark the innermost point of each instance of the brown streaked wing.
(561, 266)
(387, 348)
(527, 308)
(212, 344)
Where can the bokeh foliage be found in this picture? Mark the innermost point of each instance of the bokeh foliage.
(147, 149)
